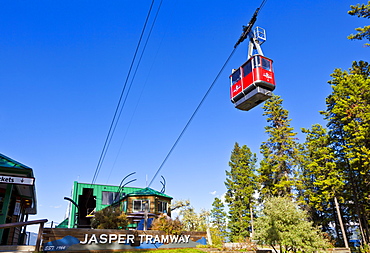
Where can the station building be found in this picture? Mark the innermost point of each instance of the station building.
(17, 198)
(87, 199)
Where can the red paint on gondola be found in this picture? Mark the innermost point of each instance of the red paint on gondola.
(257, 71)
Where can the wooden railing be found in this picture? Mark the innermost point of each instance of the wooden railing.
(33, 222)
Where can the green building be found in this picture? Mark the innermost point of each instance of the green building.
(89, 198)
(17, 198)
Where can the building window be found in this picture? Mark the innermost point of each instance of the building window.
(109, 197)
(162, 206)
(139, 205)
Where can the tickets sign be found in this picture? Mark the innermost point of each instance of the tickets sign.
(16, 180)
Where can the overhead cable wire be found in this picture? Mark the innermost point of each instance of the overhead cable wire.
(128, 91)
(201, 102)
(192, 117)
(262, 4)
(116, 115)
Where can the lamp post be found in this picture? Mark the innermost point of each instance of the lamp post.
(74, 203)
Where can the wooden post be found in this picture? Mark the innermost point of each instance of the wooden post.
(38, 241)
(341, 223)
(21, 224)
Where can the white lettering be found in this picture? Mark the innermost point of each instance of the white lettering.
(164, 238)
(156, 239)
(103, 238)
(130, 238)
(85, 241)
(174, 238)
(181, 239)
(187, 237)
(149, 238)
(93, 239)
(112, 237)
(121, 238)
(141, 238)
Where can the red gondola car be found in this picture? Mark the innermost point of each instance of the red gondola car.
(252, 83)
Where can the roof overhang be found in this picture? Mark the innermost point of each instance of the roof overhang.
(12, 168)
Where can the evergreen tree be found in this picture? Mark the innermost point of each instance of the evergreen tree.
(348, 115)
(361, 11)
(241, 185)
(320, 180)
(218, 221)
(280, 152)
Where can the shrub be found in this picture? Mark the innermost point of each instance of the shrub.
(109, 218)
(283, 223)
(168, 225)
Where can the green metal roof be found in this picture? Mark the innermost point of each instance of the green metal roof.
(7, 162)
(129, 191)
(9, 166)
(101, 187)
(148, 191)
(63, 224)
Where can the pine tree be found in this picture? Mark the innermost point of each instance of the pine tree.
(320, 180)
(348, 115)
(218, 221)
(218, 215)
(280, 152)
(361, 11)
(241, 185)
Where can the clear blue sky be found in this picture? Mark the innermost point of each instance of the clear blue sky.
(63, 65)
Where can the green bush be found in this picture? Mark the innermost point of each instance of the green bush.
(282, 223)
(109, 218)
(168, 225)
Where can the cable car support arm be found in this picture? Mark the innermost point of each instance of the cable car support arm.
(247, 29)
